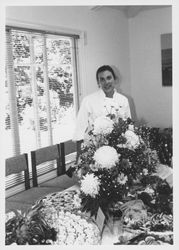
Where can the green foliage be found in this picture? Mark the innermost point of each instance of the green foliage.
(29, 228)
(59, 57)
(21, 48)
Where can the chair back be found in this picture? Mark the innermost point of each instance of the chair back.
(70, 147)
(45, 154)
(18, 164)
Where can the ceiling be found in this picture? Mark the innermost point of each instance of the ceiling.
(131, 10)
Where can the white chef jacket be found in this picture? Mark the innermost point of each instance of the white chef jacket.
(95, 105)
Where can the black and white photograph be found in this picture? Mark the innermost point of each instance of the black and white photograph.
(88, 123)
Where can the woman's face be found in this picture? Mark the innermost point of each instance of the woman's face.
(106, 82)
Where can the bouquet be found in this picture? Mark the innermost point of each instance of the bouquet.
(115, 155)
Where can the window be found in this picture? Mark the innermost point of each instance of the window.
(41, 89)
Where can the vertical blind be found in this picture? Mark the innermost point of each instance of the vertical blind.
(41, 90)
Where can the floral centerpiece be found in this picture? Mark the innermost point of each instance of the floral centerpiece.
(114, 156)
(55, 219)
(72, 228)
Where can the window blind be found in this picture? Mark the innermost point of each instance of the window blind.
(41, 90)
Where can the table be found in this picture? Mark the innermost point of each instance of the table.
(110, 234)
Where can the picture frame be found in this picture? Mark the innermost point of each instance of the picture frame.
(166, 59)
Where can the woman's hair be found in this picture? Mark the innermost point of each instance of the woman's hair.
(104, 68)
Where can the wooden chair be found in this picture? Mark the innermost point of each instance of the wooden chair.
(19, 164)
(55, 152)
(70, 147)
(47, 154)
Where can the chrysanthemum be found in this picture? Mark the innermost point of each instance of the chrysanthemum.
(90, 185)
(103, 125)
(122, 179)
(106, 157)
(132, 139)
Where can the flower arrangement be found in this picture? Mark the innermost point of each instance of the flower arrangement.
(72, 228)
(115, 155)
(62, 211)
(55, 219)
(29, 228)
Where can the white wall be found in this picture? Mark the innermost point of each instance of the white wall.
(106, 36)
(153, 102)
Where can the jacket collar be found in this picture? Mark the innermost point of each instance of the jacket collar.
(102, 94)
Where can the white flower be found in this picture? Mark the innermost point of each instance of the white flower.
(93, 167)
(122, 179)
(106, 156)
(132, 139)
(90, 184)
(103, 125)
(77, 201)
(145, 171)
(149, 190)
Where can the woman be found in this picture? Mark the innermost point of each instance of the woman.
(104, 101)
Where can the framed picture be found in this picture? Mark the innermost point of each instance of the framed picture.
(166, 57)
